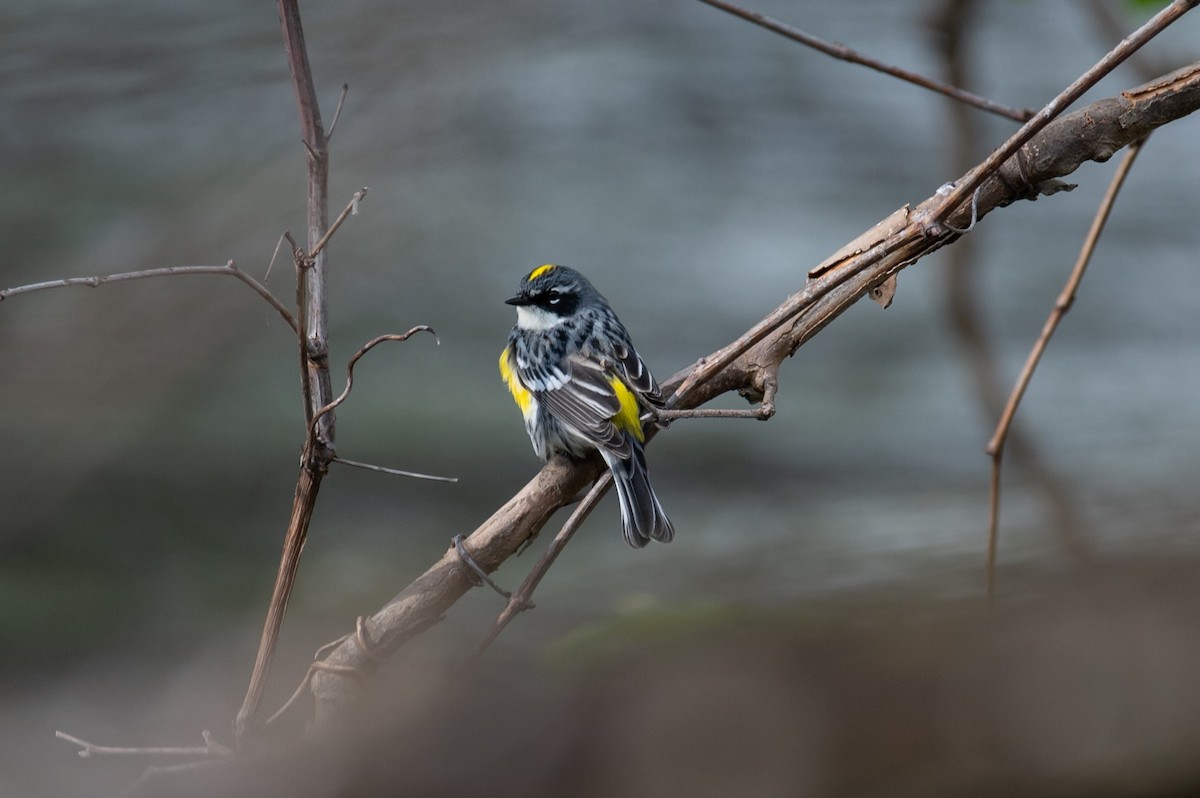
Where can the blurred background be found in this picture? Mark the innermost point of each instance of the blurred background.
(695, 167)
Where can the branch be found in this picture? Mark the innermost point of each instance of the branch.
(749, 364)
(350, 210)
(962, 299)
(1127, 47)
(230, 269)
(844, 53)
(393, 471)
(519, 601)
(1066, 298)
(314, 360)
(86, 750)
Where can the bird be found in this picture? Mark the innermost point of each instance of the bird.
(581, 386)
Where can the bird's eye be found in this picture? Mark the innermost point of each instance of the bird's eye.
(554, 300)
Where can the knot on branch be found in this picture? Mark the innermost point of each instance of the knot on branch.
(761, 385)
(1019, 183)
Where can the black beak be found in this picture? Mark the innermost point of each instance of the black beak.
(517, 300)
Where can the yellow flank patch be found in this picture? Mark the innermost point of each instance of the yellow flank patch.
(519, 393)
(539, 271)
(627, 418)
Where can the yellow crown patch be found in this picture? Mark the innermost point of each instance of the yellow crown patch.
(539, 271)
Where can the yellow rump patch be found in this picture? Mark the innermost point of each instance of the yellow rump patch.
(627, 418)
(519, 393)
(539, 271)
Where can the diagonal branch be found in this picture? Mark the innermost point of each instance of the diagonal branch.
(749, 364)
(1125, 48)
(519, 601)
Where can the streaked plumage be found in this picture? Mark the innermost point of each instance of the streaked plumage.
(581, 385)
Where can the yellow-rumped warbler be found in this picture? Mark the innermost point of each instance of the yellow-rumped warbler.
(581, 385)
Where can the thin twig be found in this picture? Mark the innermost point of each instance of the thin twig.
(763, 412)
(1066, 298)
(844, 53)
(962, 297)
(367, 347)
(87, 749)
(520, 599)
(759, 413)
(285, 236)
(1127, 47)
(351, 209)
(230, 269)
(337, 112)
(1111, 25)
(393, 471)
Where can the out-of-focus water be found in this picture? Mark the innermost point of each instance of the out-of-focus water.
(694, 166)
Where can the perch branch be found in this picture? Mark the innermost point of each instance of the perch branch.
(1092, 133)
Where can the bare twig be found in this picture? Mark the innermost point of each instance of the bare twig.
(1066, 298)
(367, 347)
(763, 412)
(337, 112)
(278, 246)
(1112, 26)
(1128, 46)
(519, 601)
(351, 209)
(230, 269)
(86, 749)
(844, 53)
(961, 303)
(393, 471)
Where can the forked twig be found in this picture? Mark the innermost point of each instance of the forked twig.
(1066, 298)
(230, 269)
(520, 599)
(844, 53)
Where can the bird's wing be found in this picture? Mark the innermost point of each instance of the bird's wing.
(636, 375)
(592, 399)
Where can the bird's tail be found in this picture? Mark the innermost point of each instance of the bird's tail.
(642, 516)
